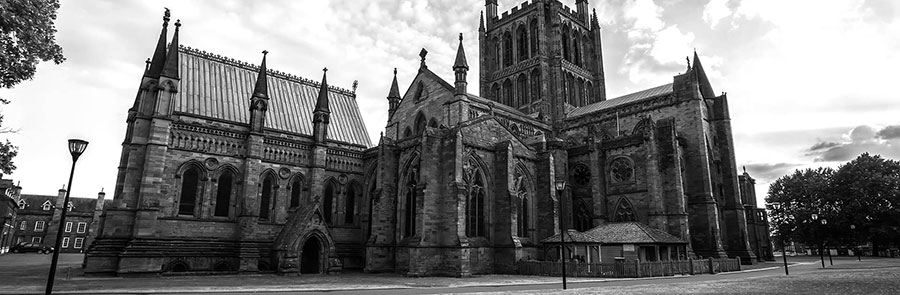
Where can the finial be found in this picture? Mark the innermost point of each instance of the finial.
(264, 52)
(460, 37)
(688, 59)
(422, 54)
(166, 17)
(395, 71)
(325, 69)
(745, 169)
(177, 23)
(355, 84)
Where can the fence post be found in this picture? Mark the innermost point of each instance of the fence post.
(711, 269)
(691, 264)
(637, 267)
(740, 263)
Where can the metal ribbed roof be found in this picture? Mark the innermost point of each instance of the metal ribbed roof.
(219, 87)
(621, 100)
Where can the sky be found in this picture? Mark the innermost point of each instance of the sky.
(810, 83)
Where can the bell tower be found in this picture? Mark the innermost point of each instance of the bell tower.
(541, 57)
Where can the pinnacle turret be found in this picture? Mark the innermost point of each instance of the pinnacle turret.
(171, 68)
(159, 55)
(262, 83)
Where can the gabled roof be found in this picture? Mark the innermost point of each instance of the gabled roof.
(220, 88)
(621, 233)
(34, 202)
(621, 100)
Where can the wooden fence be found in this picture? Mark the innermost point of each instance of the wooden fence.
(630, 269)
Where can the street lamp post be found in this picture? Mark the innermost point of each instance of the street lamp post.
(560, 186)
(776, 206)
(815, 217)
(856, 244)
(76, 148)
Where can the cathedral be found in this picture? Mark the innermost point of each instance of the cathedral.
(228, 167)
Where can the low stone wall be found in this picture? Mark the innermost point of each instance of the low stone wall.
(630, 269)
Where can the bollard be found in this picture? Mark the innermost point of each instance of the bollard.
(711, 269)
(691, 264)
(637, 267)
(68, 273)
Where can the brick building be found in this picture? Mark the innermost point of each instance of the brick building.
(9, 193)
(231, 167)
(37, 220)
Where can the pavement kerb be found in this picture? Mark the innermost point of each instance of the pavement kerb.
(254, 290)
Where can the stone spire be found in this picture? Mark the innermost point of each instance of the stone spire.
(481, 22)
(594, 23)
(259, 100)
(393, 96)
(322, 100)
(262, 82)
(159, 55)
(461, 67)
(705, 87)
(321, 114)
(171, 68)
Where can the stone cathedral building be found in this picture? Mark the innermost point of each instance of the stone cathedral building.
(230, 167)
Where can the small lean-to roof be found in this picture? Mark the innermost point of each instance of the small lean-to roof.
(620, 233)
(621, 100)
(220, 88)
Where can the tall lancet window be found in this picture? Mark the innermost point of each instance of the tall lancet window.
(522, 43)
(328, 201)
(265, 200)
(350, 204)
(190, 185)
(523, 210)
(475, 195)
(223, 194)
(296, 188)
(507, 49)
(409, 200)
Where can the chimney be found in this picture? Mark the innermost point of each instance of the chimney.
(61, 197)
(101, 196)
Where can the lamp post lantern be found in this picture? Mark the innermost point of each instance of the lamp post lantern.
(815, 217)
(76, 148)
(560, 187)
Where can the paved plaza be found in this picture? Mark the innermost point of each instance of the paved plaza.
(27, 273)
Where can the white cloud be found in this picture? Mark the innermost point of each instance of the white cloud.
(715, 11)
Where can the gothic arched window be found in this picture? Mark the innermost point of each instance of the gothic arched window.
(223, 194)
(421, 122)
(534, 37)
(350, 204)
(507, 92)
(624, 212)
(328, 201)
(296, 188)
(507, 49)
(190, 185)
(475, 195)
(576, 45)
(266, 201)
(582, 216)
(407, 132)
(495, 92)
(522, 42)
(522, 96)
(565, 43)
(523, 216)
(409, 208)
(535, 85)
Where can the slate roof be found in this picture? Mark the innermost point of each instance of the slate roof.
(220, 88)
(34, 202)
(621, 100)
(620, 233)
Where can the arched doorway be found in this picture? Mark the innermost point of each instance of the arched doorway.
(311, 257)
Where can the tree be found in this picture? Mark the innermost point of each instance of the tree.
(867, 193)
(799, 195)
(864, 193)
(26, 38)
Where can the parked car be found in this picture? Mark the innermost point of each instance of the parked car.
(31, 247)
